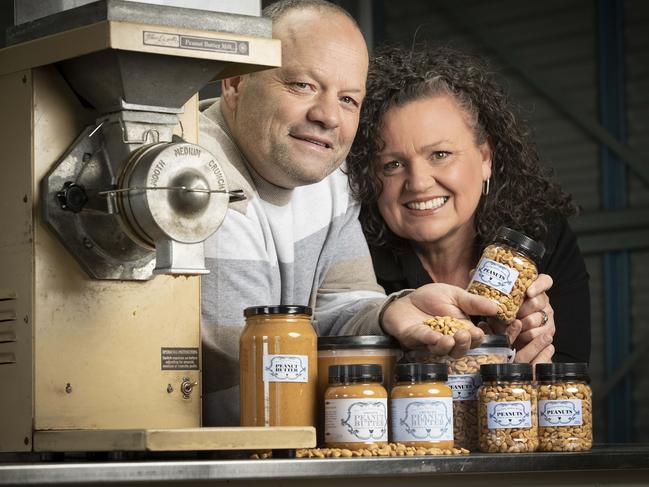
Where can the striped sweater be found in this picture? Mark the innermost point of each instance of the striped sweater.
(303, 246)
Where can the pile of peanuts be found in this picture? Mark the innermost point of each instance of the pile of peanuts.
(567, 438)
(446, 325)
(508, 304)
(507, 440)
(389, 450)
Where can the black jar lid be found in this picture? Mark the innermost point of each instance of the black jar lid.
(495, 341)
(282, 309)
(563, 371)
(521, 242)
(355, 373)
(514, 372)
(356, 342)
(419, 372)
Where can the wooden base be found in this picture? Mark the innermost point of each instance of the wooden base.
(181, 439)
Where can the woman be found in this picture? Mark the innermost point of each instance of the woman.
(439, 163)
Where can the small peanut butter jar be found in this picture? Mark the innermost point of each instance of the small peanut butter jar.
(356, 407)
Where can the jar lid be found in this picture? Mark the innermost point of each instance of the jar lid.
(282, 309)
(490, 372)
(355, 373)
(563, 371)
(356, 341)
(421, 372)
(519, 241)
(494, 341)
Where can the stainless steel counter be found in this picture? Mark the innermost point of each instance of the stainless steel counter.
(604, 465)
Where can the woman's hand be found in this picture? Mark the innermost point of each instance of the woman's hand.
(404, 317)
(532, 331)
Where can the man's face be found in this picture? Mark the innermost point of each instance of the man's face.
(295, 124)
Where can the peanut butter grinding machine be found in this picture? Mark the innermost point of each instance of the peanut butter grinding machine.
(105, 202)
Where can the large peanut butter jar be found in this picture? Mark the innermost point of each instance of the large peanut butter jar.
(356, 407)
(347, 349)
(421, 406)
(278, 367)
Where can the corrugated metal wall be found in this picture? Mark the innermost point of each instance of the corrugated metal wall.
(637, 93)
(551, 47)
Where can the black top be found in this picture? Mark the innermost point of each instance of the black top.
(352, 373)
(281, 309)
(513, 372)
(569, 295)
(562, 371)
(345, 342)
(521, 243)
(418, 372)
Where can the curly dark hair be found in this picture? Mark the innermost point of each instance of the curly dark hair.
(521, 193)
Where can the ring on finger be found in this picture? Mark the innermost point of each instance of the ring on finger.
(544, 318)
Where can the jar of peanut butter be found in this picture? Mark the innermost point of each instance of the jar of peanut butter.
(362, 349)
(507, 268)
(356, 407)
(278, 367)
(422, 406)
(565, 407)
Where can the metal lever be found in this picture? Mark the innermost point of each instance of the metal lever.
(187, 386)
(235, 195)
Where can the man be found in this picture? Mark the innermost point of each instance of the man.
(282, 135)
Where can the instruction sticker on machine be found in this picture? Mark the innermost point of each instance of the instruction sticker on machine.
(286, 368)
(179, 358)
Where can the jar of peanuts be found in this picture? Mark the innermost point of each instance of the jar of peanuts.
(507, 420)
(507, 268)
(464, 380)
(565, 407)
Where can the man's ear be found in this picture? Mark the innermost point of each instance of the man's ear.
(230, 92)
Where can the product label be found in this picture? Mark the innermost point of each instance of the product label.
(286, 368)
(509, 414)
(356, 420)
(464, 386)
(422, 419)
(495, 275)
(564, 412)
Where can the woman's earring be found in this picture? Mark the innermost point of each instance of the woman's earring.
(485, 186)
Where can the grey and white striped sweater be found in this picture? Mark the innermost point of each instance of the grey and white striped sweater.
(303, 246)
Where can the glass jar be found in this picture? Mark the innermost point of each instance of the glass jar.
(356, 407)
(464, 380)
(362, 349)
(565, 407)
(507, 420)
(421, 406)
(278, 367)
(506, 270)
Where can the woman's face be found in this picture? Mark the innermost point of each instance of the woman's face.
(432, 170)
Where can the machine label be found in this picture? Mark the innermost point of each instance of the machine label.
(196, 43)
(179, 358)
